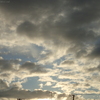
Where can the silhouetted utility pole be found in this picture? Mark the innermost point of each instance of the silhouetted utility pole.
(73, 96)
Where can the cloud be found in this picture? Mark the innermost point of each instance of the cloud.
(47, 79)
(32, 68)
(3, 85)
(61, 96)
(81, 53)
(27, 6)
(91, 92)
(59, 26)
(62, 28)
(71, 86)
(71, 75)
(94, 69)
(48, 84)
(95, 53)
(8, 65)
(68, 62)
(10, 69)
(36, 94)
(41, 85)
(27, 28)
(14, 93)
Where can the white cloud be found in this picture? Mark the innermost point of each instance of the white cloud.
(46, 79)
(48, 84)
(41, 85)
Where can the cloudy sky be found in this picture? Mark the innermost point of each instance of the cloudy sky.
(49, 49)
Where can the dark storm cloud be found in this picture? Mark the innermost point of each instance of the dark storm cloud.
(27, 28)
(32, 8)
(74, 26)
(83, 12)
(95, 53)
(64, 21)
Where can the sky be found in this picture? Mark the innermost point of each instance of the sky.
(49, 49)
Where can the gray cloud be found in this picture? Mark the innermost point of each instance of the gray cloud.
(93, 69)
(57, 21)
(3, 85)
(32, 68)
(10, 69)
(27, 28)
(14, 93)
(81, 53)
(29, 9)
(60, 96)
(14, 90)
(7, 65)
(68, 62)
(74, 26)
(95, 53)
